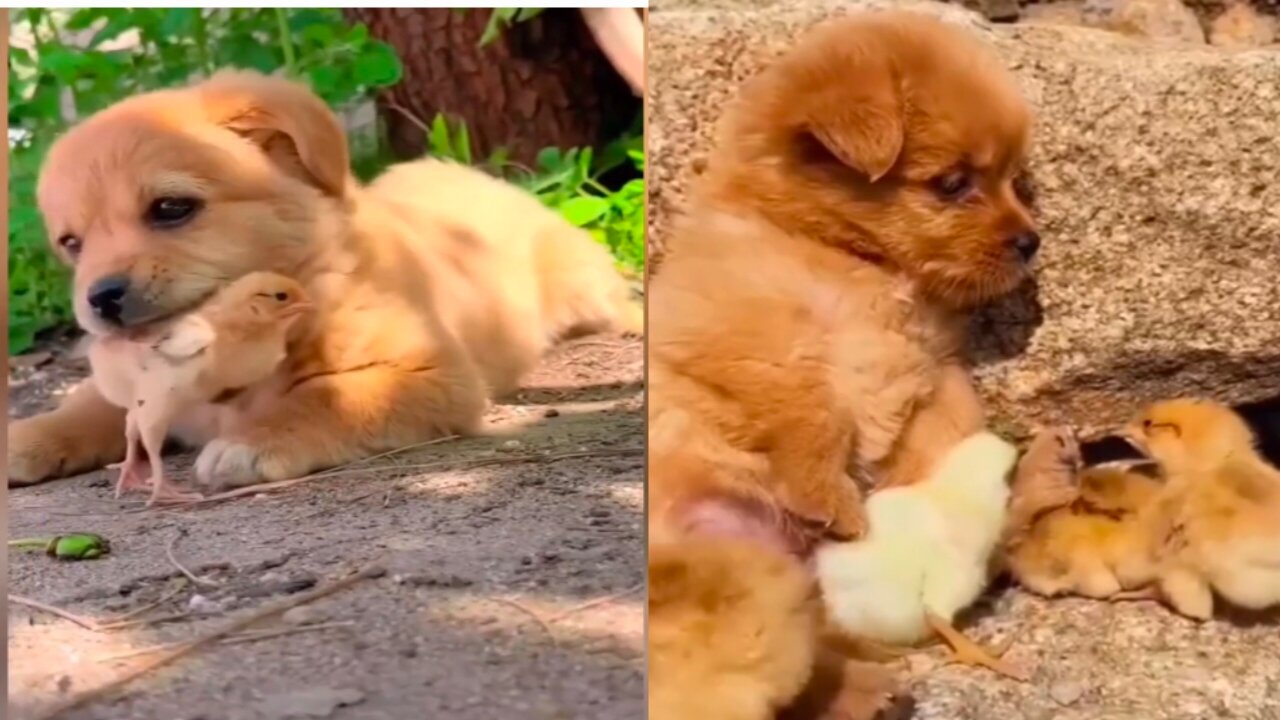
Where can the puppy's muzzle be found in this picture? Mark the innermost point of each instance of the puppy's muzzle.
(1026, 244)
(112, 300)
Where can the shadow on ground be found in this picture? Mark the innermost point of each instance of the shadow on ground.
(485, 612)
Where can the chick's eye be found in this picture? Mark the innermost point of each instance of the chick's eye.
(953, 185)
(168, 212)
(71, 244)
(282, 296)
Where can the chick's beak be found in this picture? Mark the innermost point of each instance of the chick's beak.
(1133, 435)
(296, 309)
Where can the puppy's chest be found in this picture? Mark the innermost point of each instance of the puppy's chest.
(887, 353)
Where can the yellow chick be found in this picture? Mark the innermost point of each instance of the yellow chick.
(926, 554)
(235, 339)
(1075, 549)
(1216, 525)
(732, 629)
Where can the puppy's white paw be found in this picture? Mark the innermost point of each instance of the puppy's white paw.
(227, 463)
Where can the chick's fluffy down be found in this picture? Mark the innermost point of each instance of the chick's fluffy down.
(732, 630)
(927, 547)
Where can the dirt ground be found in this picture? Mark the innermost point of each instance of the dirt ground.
(483, 613)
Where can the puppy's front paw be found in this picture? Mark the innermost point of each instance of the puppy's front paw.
(228, 463)
(838, 516)
(236, 462)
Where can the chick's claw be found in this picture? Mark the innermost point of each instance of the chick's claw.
(967, 652)
(133, 476)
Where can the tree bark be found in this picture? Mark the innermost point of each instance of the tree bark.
(541, 83)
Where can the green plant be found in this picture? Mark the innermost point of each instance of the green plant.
(449, 139)
(569, 183)
(503, 18)
(54, 79)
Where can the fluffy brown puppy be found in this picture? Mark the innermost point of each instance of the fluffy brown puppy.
(434, 287)
(807, 324)
(809, 318)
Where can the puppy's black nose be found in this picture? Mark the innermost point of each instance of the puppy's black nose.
(106, 297)
(1027, 243)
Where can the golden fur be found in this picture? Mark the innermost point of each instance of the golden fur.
(1213, 527)
(807, 322)
(732, 630)
(1076, 548)
(809, 316)
(435, 286)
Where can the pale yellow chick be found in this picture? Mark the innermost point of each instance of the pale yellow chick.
(235, 339)
(926, 554)
(1216, 525)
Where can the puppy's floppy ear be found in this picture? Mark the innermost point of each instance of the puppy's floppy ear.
(290, 123)
(862, 127)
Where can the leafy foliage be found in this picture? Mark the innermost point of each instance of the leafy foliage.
(502, 18)
(569, 182)
(80, 61)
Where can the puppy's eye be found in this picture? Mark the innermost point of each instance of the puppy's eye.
(282, 296)
(71, 244)
(169, 212)
(953, 185)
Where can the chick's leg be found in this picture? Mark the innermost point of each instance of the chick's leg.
(967, 652)
(153, 430)
(1150, 592)
(132, 468)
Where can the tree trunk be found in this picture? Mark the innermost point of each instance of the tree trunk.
(541, 83)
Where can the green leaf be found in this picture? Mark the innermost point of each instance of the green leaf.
(584, 210)
(20, 58)
(61, 63)
(439, 140)
(526, 14)
(548, 159)
(179, 22)
(462, 144)
(498, 19)
(118, 23)
(325, 80)
(22, 334)
(357, 35)
(378, 66)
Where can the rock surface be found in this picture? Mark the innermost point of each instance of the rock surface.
(1157, 173)
(1153, 19)
(1241, 26)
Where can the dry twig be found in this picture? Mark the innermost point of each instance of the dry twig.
(594, 603)
(244, 637)
(84, 622)
(186, 648)
(527, 611)
(168, 551)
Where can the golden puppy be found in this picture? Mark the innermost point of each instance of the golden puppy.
(435, 286)
(809, 318)
(807, 324)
